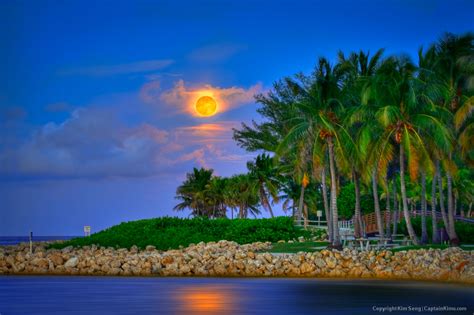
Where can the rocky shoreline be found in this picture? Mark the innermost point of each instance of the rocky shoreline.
(226, 258)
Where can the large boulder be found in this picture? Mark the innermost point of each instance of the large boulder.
(72, 262)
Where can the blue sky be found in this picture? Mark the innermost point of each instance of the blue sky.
(96, 123)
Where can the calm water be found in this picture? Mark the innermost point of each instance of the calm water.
(13, 240)
(119, 295)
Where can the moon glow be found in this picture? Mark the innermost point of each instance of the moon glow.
(206, 106)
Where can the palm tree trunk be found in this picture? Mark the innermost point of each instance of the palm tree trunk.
(434, 219)
(299, 213)
(357, 214)
(396, 208)
(424, 231)
(406, 213)
(265, 201)
(388, 214)
(270, 210)
(336, 242)
(453, 238)
(327, 211)
(441, 197)
(375, 194)
(305, 216)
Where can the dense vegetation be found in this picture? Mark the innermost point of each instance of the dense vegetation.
(465, 231)
(398, 133)
(170, 233)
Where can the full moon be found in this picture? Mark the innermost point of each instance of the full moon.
(206, 106)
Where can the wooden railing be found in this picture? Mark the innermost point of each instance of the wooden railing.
(417, 213)
(322, 224)
(369, 221)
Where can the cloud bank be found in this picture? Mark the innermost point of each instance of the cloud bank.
(95, 143)
(182, 98)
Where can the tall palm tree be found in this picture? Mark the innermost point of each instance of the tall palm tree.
(455, 70)
(360, 69)
(406, 123)
(318, 107)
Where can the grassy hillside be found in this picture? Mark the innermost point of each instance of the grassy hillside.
(169, 233)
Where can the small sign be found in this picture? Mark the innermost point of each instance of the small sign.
(87, 230)
(319, 213)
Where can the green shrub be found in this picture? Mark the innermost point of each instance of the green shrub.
(170, 233)
(465, 231)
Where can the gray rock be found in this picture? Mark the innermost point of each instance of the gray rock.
(72, 262)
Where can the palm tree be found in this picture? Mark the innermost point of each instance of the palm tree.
(215, 197)
(455, 70)
(441, 197)
(327, 210)
(429, 91)
(359, 70)
(245, 194)
(317, 109)
(369, 111)
(263, 170)
(464, 190)
(434, 220)
(290, 192)
(396, 207)
(424, 231)
(405, 123)
(192, 192)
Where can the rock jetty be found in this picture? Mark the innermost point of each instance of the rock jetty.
(226, 258)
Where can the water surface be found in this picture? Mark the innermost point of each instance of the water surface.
(14, 240)
(123, 295)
